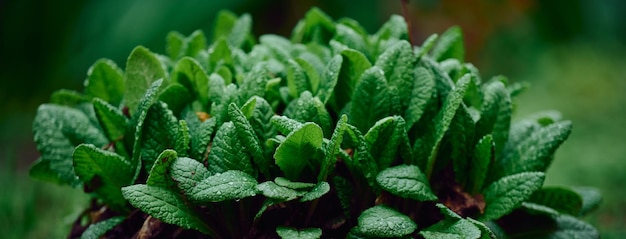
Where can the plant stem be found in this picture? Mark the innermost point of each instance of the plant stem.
(407, 18)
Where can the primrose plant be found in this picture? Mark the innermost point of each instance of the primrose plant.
(331, 133)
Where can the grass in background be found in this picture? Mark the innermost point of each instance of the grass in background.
(32, 209)
(588, 86)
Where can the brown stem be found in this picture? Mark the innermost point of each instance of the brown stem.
(407, 18)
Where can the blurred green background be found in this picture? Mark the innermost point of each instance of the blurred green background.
(571, 51)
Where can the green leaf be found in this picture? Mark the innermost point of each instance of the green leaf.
(159, 176)
(428, 146)
(591, 198)
(57, 130)
(352, 67)
(226, 153)
(113, 122)
(428, 44)
(164, 205)
(280, 181)
(272, 190)
(485, 231)
(329, 79)
(189, 73)
(351, 38)
(382, 221)
(200, 134)
(319, 26)
(97, 230)
(293, 155)
(105, 80)
(452, 229)
(41, 170)
(332, 149)
(450, 45)
(176, 45)
(240, 31)
(103, 172)
(159, 133)
(312, 75)
(68, 98)
(187, 173)
(224, 22)
(143, 68)
(254, 83)
(461, 139)
(479, 166)
(495, 116)
(176, 96)
(535, 153)
(292, 233)
(562, 199)
(545, 223)
(508, 193)
(220, 54)
(362, 163)
(196, 43)
(285, 125)
(397, 62)
(134, 135)
(229, 185)
(307, 108)
(318, 191)
(384, 139)
(260, 119)
(394, 28)
(422, 94)
(183, 139)
(297, 80)
(250, 142)
(406, 181)
(370, 100)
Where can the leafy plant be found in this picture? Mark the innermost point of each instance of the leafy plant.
(332, 133)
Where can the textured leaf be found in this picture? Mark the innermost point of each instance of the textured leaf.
(229, 185)
(382, 221)
(105, 80)
(159, 174)
(329, 79)
(318, 191)
(240, 31)
(134, 135)
(196, 43)
(545, 223)
(450, 45)
(352, 67)
(508, 193)
(297, 80)
(332, 148)
(285, 125)
(260, 119)
(187, 173)
(113, 122)
(226, 153)
(224, 22)
(362, 162)
(351, 38)
(200, 134)
(561, 199)
(452, 229)
(97, 230)
(68, 98)
(293, 155)
(280, 181)
(312, 74)
(103, 172)
(176, 96)
(250, 142)
(481, 160)
(535, 153)
(394, 28)
(274, 191)
(397, 62)
(143, 68)
(421, 95)
(406, 181)
(253, 84)
(41, 170)
(307, 108)
(189, 73)
(370, 100)
(220, 55)
(164, 205)
(57, 130)
(428, 44)
(495, 116)
(176, 45)
(160, 132)
(292, 233)
(428, 146)
(461, 139)
(591, 198)
(385, 138)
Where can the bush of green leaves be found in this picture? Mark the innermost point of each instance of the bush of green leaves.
(331, 133)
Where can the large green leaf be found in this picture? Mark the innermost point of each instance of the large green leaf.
(307, 108)
(397, 63)
(276, 192)
(332, 148)
(352, 67)
(57, 130)
(292, 233)
(481, 160)
(113, 122)
(159, 174)
(250, 140)
(97, 230)
(226, 153)
(495, 116)
(535, 152)
(164, 205)
(105, 80)
(450, 45)
(176, 45)
(229, 185)
(143, 68)
(187, 173)
(134, 134)
(385, 138)
(240, 31)
(189, 73)
(370, 100)
(452, 229)
(508, 193)
(253, 84)
(329, 79)
(562, 199)
(295, 154)
(382, 221)
(422, 94)
(160, 132)
(406, 181)
(103, 172)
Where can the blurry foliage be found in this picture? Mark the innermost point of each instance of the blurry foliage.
(49, 45)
